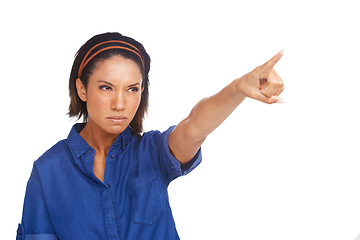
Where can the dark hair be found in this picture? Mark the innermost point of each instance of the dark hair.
(131, 50)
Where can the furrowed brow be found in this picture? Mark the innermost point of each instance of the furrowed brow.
(133, 85)
(106, 82)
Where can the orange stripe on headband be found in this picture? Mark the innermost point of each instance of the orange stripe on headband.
(84, 63)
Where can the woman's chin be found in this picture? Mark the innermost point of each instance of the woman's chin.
(116, 129)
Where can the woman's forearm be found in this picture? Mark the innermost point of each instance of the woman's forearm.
(210, 112)
(262, 84)
(205, 117)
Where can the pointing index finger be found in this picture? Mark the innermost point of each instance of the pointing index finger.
(271, 63)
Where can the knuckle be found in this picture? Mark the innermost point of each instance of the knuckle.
(253, 73)
(278, 84)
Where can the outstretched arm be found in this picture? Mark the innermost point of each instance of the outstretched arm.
(262, 84)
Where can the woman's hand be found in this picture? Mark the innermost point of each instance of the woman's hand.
(263, 83)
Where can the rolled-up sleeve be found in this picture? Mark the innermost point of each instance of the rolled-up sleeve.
(35, 224)
(174, 167)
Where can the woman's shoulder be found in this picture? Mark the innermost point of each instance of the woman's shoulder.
(54, 154)
(157, 133)
(155, 136)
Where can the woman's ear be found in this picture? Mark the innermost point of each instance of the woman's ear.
(81, 90)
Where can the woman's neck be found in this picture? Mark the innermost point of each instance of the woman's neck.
(97, 138)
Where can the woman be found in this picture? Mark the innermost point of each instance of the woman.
(108, 180)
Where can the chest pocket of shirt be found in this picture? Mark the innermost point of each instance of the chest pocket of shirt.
(146, 201)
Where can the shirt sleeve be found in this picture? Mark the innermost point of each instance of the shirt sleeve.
(174, 167)
(36, 224)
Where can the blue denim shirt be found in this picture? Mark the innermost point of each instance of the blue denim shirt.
(65, 200)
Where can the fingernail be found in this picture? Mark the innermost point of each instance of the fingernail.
(280, 100)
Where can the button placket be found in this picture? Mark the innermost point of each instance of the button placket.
(108, 211)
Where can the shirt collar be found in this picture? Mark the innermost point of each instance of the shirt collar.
(80, 146)
(124, 138)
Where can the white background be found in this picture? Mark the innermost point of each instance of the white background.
(283, 171)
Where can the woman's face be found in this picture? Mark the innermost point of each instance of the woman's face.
(113, 94)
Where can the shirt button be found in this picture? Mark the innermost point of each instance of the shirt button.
(108, 185)
(111, 156)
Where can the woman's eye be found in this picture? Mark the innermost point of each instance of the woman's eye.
(104, 87)
(133, 89)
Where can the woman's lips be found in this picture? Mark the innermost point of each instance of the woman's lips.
(117, 119)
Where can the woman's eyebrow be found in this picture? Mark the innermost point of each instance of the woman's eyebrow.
(133, 85)
(106, 82)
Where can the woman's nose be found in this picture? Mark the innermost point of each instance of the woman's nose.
(118, 102)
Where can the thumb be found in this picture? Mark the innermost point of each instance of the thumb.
(269, 100)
